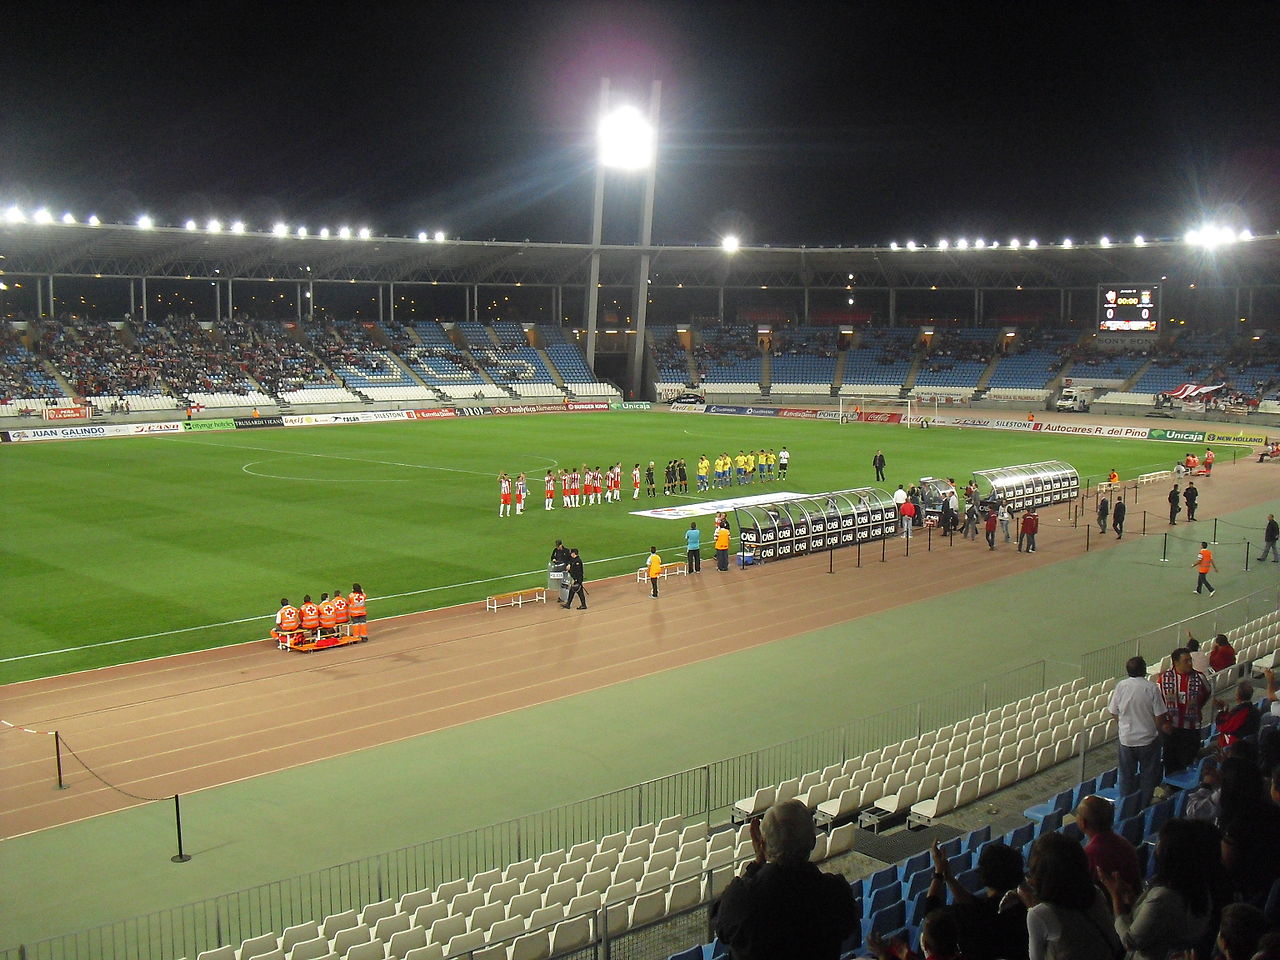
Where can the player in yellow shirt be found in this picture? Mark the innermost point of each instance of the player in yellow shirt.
(704, 469)
(740, 465)
(772, 459)
(751, 467)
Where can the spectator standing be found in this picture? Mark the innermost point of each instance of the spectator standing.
(1203, 564)
(1241, 930)
(908, 519)
(1104, 511)
(693, 547)
(1199, 659)
(1108, 852)
(878, 462)
(1173, 913)
(991, 528)
(1175, 505)
(1140, 711)
(1030, 527)
(722, 548)
(1117, 518)
(1067, 916)
(1191, 495)
(971, 521)
(782, 905)
(1006, 517)
(1185, 692)
(1269, 537)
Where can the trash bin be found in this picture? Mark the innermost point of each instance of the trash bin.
(558, 580)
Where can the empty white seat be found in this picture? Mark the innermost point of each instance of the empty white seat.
(664, 841)
(446, 928)
(218, 953)
(819, 851)
(464, 943)
(669, 825)
(573, 870)
(614, 841)
(538, 880)
(562, 891)
(907, 794)
(375, 949)
(655, 879)
(924, 811)
(523, 904)
(464, 903)
(570, 935)
(429, 913)
(645, 832)
(413, 900)
(346, 939)
(311, 949)
(685, 895)
(661, 861)
(604, 860)
(754, 805)
(388, 927)
(583, 851)
(298, 933)
(648, 907)
(338, 921)
(401, 943)
(506, 929)
(843, 806)
(447, 891)
(532, 946)
(432, 951)
(813, 797)
(485, 916)
(547, 916)
(636, 850)
(501, 892)
(515, 871)
(584, 903)
(629, 870)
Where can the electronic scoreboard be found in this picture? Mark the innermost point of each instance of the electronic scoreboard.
(1129, 307)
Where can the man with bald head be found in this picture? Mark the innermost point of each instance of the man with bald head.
(1108, 852)
(782, 905)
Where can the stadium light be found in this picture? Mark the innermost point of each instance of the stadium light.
(68, 218)
(626, 139)
(440, 237)
(42, 216)
(730, 244)
(365, 233)
(324, 233)
(962, 244)
(93, 220)
(943, 244)
(190, 225)
(1139, 241)
(15, 215)
(1245, 235)
(302, 233)
(237, 227)
(893, 245)
(1015, 243)
(979, 244)
(911, 244)
(344, 233)
(145, 222)
(214, 226)
(280, 229)
(1104, 241)
(422, 236)
(1067, 243)
(1032, 244)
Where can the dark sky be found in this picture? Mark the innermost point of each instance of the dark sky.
(785, 122)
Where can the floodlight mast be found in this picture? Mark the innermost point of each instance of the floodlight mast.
(641, 155)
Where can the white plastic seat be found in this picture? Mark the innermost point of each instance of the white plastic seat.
(847, 803)
(551, 860)
(684, 895)
(636, 850)
(413, 900)
(547, 916)
(446, 928)
(629, 870)
(583, 851)
(613, 841)
(523, 904)
(388, 927)
(506, 929)
(375, 949)
(673, 824)
(655, 879)
(346, 939)
(584, 903)
(311, 949)
(432, 951)
(515, 871)
(464, 943)
(401, 943)
(429, 913)
(604, 860)
(532, 946)
(218, 953)
(298, 933)
(464, 903)
(923, 811)
(501, 892)
(819, 851)
(447, 891)
(647, 908)
(538, 880)
(485, 916)
(338, 921)
(571, 935)
(645, 832)
(754, 805)
(562, 891)
(662, 861)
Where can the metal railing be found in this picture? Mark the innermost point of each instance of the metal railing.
(706, 792)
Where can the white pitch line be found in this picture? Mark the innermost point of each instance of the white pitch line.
(270, 616)
(272, 476)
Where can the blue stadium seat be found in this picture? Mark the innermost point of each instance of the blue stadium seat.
(977, 838)
(971, 880)
(1189, 778)
(890, 918)
(916, 884)
(1021, 836)
(881, 878)
(1132, 829)
(1058, 804)
(913, 865)
(1157, 815)
(1130, 805)
(1072, 831)
(1049, 824)
(1082, 790)
(952, 847)
(879, 900)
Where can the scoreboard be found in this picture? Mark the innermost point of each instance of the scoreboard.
(1129, 307)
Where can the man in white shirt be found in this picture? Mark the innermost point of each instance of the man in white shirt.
(784, 461)
(1140, 709)
(904, 523)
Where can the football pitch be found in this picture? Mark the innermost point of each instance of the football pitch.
(125, 549)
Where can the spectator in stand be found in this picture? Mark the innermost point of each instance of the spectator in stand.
(1067, 916)
(1199, 659)
(1250, 822)
(1240, 720)
(1108, 852)
(985, 931)
(1141, 712)
(1241, 931)
(1221, 654)
(1185, 692)
(939, 940)
(1174, 912)
(782, 905)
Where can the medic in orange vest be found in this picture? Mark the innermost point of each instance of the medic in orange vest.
(328, 617)
(287, 622)
(341, 617)
(310, 614)
(356, 609)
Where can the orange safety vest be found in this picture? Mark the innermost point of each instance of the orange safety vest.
(328, 614)
(655, 565)
(310, 616)
(355, 604)
(288, 618)
(340, 608)
(722, 538)
(1205, 561)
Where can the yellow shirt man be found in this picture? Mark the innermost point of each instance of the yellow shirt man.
(655, 570)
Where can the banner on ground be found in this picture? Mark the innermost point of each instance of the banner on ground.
(432, 413)
(742, 411)
(252, 423)
(167, 426)
(688, 408)
(65, 413)
(472, 411)
(223, 423)
(72, 433)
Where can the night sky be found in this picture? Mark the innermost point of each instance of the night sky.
(792, 123)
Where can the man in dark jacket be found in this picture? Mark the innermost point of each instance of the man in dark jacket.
(782, 905)
(878, 462)
(1269, 538)
(575, 574)
(1117, 519)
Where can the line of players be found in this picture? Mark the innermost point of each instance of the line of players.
(325, 623)
(587, 486)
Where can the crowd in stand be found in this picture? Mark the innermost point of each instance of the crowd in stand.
(20, 370)
(805, 342)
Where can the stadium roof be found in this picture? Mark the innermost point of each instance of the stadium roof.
(107, 250)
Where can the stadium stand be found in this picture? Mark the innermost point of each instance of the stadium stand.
(729, 357)
(879, 362)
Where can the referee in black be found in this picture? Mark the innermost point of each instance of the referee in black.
(576, 576)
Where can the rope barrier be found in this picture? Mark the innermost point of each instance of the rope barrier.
(103, 780)
(42, 733)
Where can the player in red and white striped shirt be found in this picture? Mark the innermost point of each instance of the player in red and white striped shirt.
(551, 490)
(635, 482)
(575, 487)
(504, 495)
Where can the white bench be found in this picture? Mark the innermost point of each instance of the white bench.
(516, 598)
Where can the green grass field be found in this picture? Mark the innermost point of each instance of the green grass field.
(124, 549)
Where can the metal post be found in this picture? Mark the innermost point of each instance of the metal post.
(1247, 548)
(391, 301)
(144, 299)
(859, 564)
(646, 238)
(57, 756)
(181, 857)
(884, 545)
(1144, 519)
(831, 553)
(929, 545)
(597, 228)
(297, 301)
(1164, 550)
(217, 300)
(1088, 531)
(53, 301)
(1215, 531)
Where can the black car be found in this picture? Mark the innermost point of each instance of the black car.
(688, 398)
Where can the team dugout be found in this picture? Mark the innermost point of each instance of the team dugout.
(1028, 485)
(775, 531)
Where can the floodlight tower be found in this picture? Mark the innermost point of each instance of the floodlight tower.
(627, 141)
